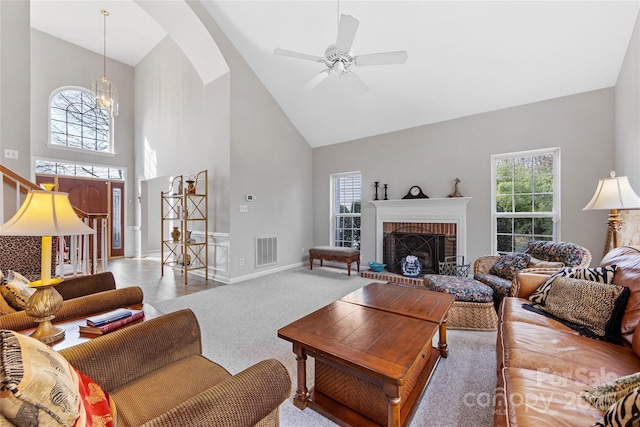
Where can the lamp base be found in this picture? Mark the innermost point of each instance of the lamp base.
(47, 333)
(42, 306)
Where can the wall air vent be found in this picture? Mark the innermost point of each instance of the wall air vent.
(266, 251)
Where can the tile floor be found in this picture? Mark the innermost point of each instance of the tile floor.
(146, 273)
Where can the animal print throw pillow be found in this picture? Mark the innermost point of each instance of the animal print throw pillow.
(625, 412)
(605, 395)
(598, 274)
(594, 309)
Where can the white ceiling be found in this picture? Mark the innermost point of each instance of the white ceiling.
(465, 57)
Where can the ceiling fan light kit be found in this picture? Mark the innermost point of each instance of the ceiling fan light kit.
(339, 57)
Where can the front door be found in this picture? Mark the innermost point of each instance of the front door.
(96, 196)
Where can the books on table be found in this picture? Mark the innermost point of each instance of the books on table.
(110, 321)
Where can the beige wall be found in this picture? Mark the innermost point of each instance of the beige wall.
(433, 156)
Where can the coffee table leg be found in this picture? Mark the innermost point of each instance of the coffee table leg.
(302, 393)
(442, 340)
(392, 392)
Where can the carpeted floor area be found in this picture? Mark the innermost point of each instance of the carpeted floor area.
(239, 325)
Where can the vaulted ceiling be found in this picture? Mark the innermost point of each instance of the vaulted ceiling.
(464, 57)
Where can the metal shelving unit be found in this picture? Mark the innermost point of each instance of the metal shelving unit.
(185, 207)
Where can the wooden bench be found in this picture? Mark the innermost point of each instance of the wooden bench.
(335, 253)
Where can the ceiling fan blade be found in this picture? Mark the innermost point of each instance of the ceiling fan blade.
(355, 82)
(298, 55)
(346, 32)
(383, 58)
(319, 78)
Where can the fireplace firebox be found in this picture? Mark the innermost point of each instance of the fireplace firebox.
(430, 243)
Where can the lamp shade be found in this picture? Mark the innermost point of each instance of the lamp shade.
(45, 213)
(614, 193)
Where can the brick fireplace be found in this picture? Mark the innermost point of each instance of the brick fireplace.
(430, 229)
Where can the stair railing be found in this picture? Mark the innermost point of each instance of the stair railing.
(81, 255)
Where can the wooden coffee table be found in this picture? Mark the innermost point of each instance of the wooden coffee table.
(373, 353)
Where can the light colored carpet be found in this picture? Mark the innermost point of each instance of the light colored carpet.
(239, 325)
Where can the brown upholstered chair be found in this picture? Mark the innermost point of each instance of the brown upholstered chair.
(78, 307)
(157, 376)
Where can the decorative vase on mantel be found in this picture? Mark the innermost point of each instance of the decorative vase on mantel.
(175, 235)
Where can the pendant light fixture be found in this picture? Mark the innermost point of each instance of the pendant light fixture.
(105, 92)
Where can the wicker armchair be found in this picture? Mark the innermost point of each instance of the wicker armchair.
(566, 253)
(155, 373)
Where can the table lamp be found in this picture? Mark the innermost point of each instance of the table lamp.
(613, 193)
(46, 214)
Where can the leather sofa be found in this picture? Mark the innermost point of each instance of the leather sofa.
(157, 376)
(543, 365)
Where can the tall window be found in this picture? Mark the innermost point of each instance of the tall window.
(347, 189)
(525, 198)
(76, 123)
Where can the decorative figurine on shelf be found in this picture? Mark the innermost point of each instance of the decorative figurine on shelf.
(189, 238)
(385, 192)
(456, 193)
(175, 235)
(191, 186)
(376, 184)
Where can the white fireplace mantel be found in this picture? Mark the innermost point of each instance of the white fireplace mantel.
(451, 210)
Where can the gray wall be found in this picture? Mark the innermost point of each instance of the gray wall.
(182, 127)
(56, 63)
(14, 84)
(269, 159)
(627, 125)
(14, 95)
(433, 156)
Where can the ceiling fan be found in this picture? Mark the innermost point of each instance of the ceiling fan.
(339, 58)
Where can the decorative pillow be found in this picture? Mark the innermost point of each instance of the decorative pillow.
(38, 387)
(598, 274)
(625, 412)
(594, 309)
(509, 264)
(97, 408)
(36, 384)
(538, 263)
(569, 253)
(5, 308)
(605, 395)
(16, 290)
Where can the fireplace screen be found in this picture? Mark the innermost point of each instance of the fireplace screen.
(430, 248)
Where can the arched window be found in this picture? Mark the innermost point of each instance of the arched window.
(77, 123)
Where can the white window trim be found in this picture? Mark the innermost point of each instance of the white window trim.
(332, 200)
(556, 217)
(112, 150)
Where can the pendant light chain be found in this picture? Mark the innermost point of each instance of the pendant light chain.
(104, 72)
(105, 92)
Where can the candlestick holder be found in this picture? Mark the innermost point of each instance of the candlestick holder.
(376, 185)
(385, 192)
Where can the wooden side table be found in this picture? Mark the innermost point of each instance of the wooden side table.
(72, 334)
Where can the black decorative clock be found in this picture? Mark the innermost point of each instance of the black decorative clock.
(415, 192)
